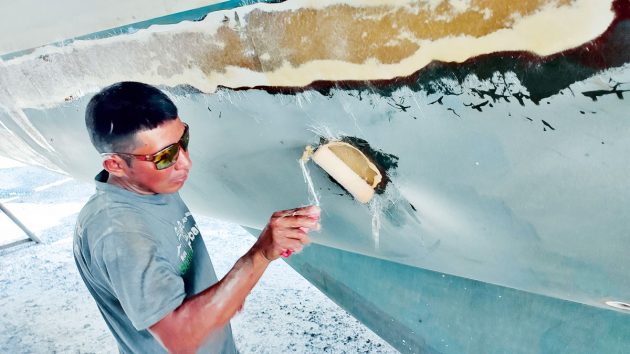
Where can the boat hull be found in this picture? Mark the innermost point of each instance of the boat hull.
(501, 224)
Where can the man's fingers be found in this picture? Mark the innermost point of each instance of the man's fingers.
(311, 210)
(291, 239)
(295, 222)
(300, 235)
(291, 234)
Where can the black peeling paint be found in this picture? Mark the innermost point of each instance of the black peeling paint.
(439, 100)
(492, 93)
(452, 110)
(613, 90)
(477, 106)
(547, 125)
(400, 105)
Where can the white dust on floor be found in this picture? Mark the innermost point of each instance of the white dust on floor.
(45, 308)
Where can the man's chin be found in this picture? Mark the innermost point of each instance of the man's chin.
(175, 186)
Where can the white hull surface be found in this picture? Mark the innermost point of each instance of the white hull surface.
(503, 225)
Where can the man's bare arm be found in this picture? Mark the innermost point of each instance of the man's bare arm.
(186, 328)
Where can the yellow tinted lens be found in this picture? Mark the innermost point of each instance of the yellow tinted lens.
(167, 157)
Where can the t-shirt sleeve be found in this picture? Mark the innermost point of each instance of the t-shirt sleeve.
(144, 282)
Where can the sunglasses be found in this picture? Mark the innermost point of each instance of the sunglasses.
(166, 157)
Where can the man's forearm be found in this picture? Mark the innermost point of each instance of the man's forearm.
(197, 317)
(186, 328)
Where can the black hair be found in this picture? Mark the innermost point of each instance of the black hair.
(115, 114)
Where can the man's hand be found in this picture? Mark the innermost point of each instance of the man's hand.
(287, 230)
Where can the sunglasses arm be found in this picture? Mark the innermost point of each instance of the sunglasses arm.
(106, 155)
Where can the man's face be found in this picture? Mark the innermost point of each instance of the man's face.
(143, 176)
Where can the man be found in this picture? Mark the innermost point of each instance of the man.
(138, 248)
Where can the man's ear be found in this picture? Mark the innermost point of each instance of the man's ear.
(115, 165)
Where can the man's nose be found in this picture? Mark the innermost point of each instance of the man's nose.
(183, 160)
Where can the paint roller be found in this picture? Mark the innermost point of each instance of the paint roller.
(345, 164)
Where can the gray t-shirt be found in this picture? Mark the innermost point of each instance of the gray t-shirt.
(141, 256)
